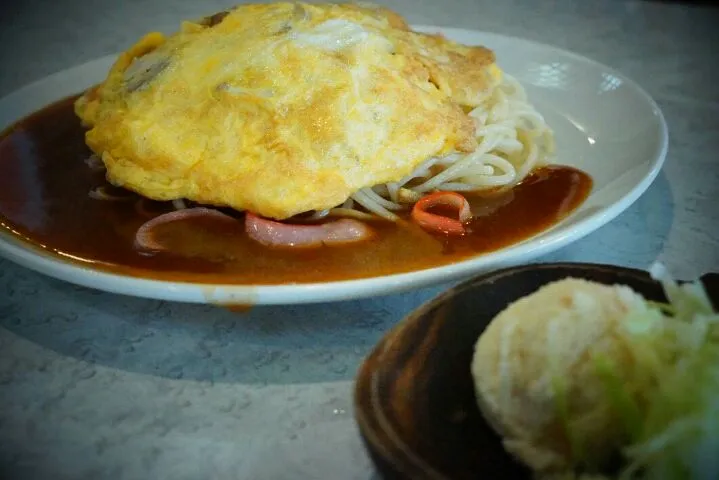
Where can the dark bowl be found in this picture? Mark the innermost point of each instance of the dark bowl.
(414, 395)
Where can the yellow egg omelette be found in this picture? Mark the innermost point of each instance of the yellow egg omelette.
(283, 108)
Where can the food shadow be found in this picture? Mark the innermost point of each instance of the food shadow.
(266, 345)
(272, 344)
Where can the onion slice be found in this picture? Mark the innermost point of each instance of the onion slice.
(145, 237)
(179, 204)
(440, 223)
(95, 162)
(102, 193)
(277, 234)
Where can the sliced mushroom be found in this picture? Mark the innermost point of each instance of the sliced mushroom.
(215, 19)
(145, 69)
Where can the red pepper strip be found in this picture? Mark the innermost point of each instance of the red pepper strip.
(440, 223)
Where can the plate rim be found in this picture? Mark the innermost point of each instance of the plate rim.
(300, 293)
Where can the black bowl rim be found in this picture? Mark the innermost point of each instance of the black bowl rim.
(411, 461)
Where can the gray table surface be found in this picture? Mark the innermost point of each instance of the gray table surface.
(98, 386)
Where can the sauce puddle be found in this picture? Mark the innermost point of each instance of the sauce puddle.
(44, 185)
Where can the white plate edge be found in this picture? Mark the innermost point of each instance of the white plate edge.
(348, 289)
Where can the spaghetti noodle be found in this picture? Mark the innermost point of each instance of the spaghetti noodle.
(513, 138)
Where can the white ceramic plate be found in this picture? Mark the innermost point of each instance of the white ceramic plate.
(604, 123)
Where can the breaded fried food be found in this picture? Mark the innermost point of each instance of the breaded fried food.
(283, 108)
(536, 378)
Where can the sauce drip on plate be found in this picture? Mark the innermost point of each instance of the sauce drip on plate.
(44, 185)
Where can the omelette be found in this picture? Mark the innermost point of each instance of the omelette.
(284, 108)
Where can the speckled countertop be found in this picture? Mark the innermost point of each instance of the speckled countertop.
(99, 386)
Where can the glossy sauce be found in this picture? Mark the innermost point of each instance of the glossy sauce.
(44, 185)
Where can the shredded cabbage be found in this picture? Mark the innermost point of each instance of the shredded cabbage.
(668, 403)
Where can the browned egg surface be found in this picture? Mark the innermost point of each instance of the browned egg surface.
(44, 185)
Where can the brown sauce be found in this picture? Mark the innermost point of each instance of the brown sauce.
(238, 307)
(44, 185)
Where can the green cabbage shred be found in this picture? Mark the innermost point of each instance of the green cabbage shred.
(668, 400)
